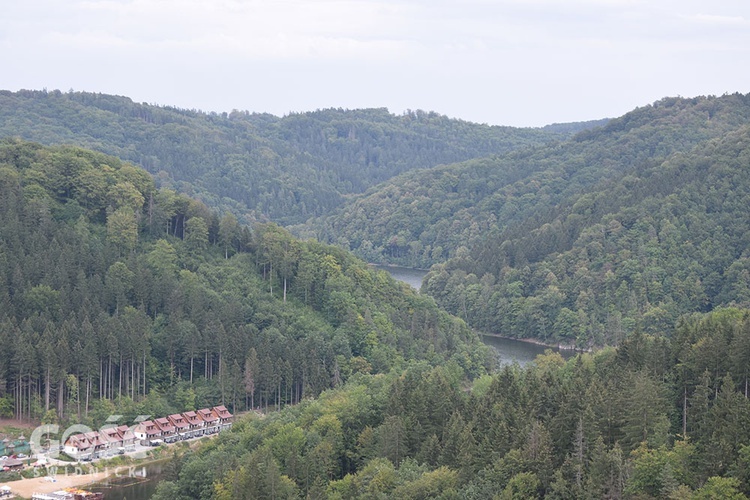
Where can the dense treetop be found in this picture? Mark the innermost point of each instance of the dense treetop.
(424, 217)
(258, 165)
(120, 295)
(116, 294)
(663, 239)
(657, 417)
(565, 242)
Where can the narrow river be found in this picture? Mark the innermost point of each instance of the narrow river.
(508, 350)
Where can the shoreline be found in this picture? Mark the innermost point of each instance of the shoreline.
(25, 488)
(72, 475)
(560, 347)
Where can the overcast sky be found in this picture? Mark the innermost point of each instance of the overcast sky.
(503, 62)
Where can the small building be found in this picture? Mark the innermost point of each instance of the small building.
(210, 421)
(78, 447)
(195, 424)
(225, 418)
(113, 438)
(181, 425)
(146, 432)
(168, 431)
(12, 464)
(128, 437)
(99, 445)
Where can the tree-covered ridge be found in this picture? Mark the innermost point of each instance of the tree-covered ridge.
(658, 242)
(657, 417)
(284, 169)
(115, 293)
(427, 216)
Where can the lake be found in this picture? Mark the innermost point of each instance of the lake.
(508, 350)
(408, 275)
(512, 350)
(136, 483)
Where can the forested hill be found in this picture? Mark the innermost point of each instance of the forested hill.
(653, 419)
(663, 239)
(427, 216)
(118, 298)
(283, 169)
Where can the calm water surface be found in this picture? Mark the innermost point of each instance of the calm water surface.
(508, 350)
(406, 274)
(138, 483)
(511, 350)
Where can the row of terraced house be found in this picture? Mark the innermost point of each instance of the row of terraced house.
(110, 441)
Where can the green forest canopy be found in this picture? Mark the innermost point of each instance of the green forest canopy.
(624, 227)
(666, 239)
(117, 295)
(657, 417)
(114, 294)
(259, 166)
(424, 217)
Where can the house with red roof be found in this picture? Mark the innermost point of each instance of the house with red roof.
(210, 421)
(146, 432)
(128, 437)
(78, 447)
(113, 439)
(195, 424)
(99, 444)
(168, 431)
(225, 418)
(182, 427)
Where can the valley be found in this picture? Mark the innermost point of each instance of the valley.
(154, 260)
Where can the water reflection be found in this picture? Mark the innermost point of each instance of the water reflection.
(408, 275)
(511, 350)
(132, 483)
